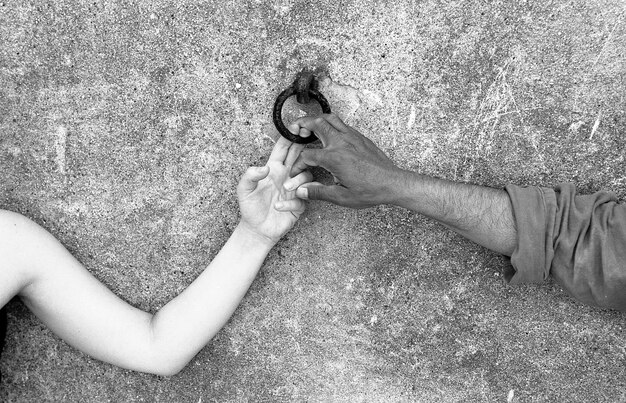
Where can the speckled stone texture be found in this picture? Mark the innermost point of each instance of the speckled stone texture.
(124, 129)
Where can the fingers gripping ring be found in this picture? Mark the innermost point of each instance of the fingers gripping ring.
(278, 108)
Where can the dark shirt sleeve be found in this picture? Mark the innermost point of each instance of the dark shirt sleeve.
(579, 240)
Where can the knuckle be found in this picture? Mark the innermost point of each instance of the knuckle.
(357, 137)
(324, 126)
(352, 147)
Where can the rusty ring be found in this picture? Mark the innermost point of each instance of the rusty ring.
(278, 119)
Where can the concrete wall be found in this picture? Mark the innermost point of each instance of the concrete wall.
(124, 130)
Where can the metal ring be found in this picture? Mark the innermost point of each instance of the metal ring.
(278, 118)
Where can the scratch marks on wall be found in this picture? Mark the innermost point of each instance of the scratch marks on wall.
(348, 100)
(411, 122)
(60, 149)
(497, 103)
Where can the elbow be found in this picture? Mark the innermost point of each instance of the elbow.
(167, 355)
(166, 360)
(611, 293)
(600, 285)
(611, 299)
(166, 368)
(166, 371)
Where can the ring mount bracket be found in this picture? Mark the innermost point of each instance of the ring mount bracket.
(305, 88)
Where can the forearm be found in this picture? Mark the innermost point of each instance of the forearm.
(483, 215)
(87, 315)
(187, 323)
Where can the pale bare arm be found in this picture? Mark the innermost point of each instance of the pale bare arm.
(82, 311)
(87, 315)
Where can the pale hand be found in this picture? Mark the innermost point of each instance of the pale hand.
(267, 208)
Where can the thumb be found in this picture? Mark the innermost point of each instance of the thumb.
(316, 191)
(251, 178)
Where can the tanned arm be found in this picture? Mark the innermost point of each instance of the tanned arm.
(366, 177)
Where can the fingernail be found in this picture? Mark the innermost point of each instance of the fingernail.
(302, 193)
(279, 205)
(288, 186)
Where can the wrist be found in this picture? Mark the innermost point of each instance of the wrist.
(421, 193)
(253, 238)
(397, 187)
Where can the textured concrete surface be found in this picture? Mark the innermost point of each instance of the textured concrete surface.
(125, 127)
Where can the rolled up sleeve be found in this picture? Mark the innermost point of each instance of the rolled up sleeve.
(579, 240)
